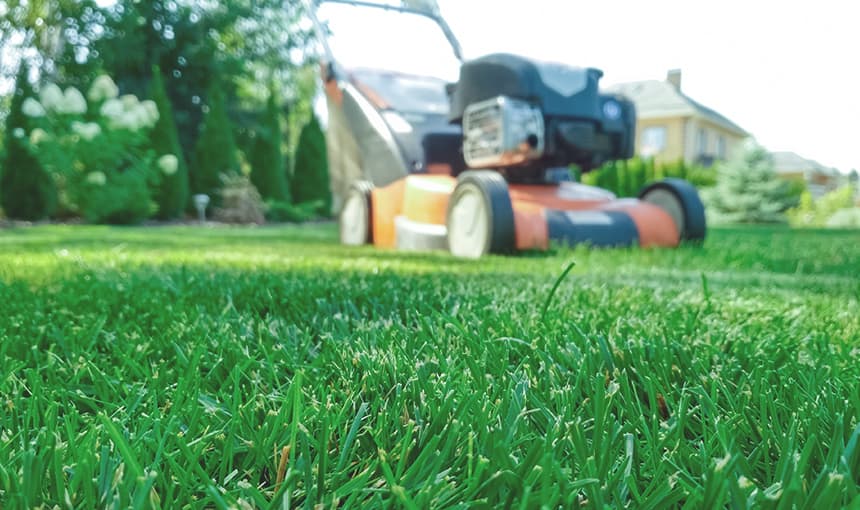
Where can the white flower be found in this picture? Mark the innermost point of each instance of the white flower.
(32, 108)
(112, 108)
(130, 119)
(37, 136)
(73, 102)
(97, 178)
(129, 101)
(51, 96)
(18, 133)
(87, 130)
(168, 164)
(151, 110)
(103, 88)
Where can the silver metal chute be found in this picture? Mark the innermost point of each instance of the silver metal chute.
(365, 74)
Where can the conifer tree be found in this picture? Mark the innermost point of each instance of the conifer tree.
(310, 181)
(215, 153)
(27, 191)
(748, 190)
(268, 165)
(172, 194)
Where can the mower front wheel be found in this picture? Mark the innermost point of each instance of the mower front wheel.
(480, 217)
(356, 215)
(681, 201)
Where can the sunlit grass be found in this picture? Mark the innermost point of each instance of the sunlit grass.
(170, 367)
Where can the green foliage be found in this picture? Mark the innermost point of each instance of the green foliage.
(627, 178)
(236, 41)
(310, 182)
(845, 218)
(54, 33)
(748, 190)
(817, 213)
(98, 152)
(723, 376)
(215, 154)
(122, 199)
(796, 188)
(268, 165)
(27, 191)
(172, 194)
(636, 178)
(287, 212)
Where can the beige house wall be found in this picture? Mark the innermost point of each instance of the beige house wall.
(682, 138)
(674, 126)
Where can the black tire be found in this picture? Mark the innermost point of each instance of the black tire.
(680, 199)
(356, 217)
(494, 215)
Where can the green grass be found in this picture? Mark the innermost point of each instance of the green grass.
(170, 367)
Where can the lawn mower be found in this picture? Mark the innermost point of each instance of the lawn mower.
(428, 150)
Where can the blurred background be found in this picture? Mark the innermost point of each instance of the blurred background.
(121, 111)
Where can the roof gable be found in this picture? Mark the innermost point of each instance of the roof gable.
(785, 162)
(655, 98)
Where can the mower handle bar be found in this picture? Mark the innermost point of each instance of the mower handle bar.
(312, 4)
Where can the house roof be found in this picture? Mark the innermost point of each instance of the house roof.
(785, 162)
(655, 99)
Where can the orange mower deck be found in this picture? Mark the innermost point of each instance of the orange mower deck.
(417, 212)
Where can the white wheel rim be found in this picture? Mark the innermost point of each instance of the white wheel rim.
(468, 225)
(667, 201)
(353, 220)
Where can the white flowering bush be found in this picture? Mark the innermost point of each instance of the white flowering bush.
(98, 150)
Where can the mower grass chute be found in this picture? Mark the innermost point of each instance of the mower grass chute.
(475, 160)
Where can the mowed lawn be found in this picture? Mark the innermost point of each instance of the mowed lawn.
(272, 368)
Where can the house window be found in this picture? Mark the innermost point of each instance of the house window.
(702, 138)
(721, 147)
(653, 140)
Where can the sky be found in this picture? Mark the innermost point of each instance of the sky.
(786, 71)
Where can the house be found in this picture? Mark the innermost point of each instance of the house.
(671, 126)
(819, 178)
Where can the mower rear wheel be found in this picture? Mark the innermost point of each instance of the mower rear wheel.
(356, 215)
(480, 216)
(681, 201)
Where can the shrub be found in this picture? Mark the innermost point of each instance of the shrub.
(844, 218)
(27, 191)
(215, 154)
(812, 213)
(627, 178)
(268, 165)
(172, 193)
(123, 199)
(240, 201)
(310, 181)
(748, 190)
(281, 212)
(97, 152)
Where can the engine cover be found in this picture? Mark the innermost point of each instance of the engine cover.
(502, 132)
(578, 124)
(557, 89)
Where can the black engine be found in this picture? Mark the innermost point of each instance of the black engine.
(522, 117)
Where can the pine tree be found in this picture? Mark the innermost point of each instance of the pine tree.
(172, 194)
(268, 165)
(215, 153)
(27, 192)
(748, 190)
(310, 178)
